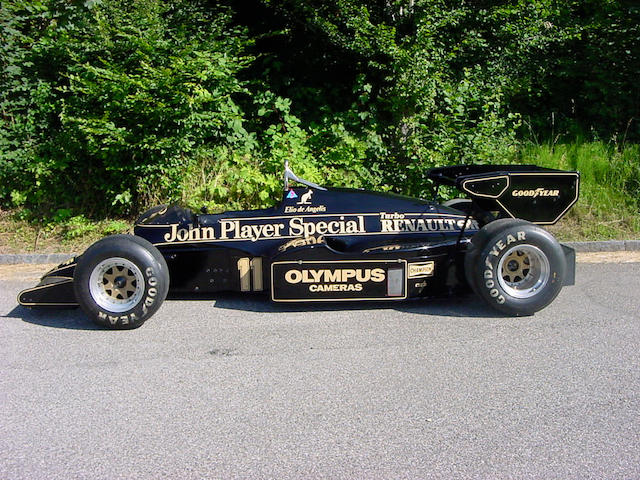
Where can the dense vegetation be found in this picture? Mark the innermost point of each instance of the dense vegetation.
(107, 106)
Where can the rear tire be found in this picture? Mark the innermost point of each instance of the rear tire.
(121, 281)
(479, 241)
(516, 266)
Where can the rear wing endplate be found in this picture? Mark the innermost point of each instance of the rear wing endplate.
(537, 194)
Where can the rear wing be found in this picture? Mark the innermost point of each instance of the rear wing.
(537, 194)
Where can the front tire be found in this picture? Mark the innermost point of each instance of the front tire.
(121, 281)
(516, 267)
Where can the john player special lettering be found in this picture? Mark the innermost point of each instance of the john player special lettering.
(308, 226)
(238, 229)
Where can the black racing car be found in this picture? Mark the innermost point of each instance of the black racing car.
(333, 244)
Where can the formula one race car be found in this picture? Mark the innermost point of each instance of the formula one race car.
(332, 244)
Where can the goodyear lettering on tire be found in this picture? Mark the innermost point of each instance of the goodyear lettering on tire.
(489, 274)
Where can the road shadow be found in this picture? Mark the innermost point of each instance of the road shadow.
(70, 319)
(467, 305)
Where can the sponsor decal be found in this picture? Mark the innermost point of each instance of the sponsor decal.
(535, 193)
(298, 227)
(305, 209)
(335, 280)
(304, 226)
(189, 234)
(338, 275)
(399, 223)
(301, 242)
(420, 270)
(500, 245)
(292, 194)
(383, 248)
(338, 280)
(237, 229)
(305, 199)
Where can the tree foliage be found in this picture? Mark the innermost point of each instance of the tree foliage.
(103, 100)
(108, 105)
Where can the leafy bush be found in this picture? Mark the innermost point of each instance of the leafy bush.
(107, 106)
(127, 93)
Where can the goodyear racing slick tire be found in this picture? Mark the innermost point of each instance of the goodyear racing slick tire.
(478, 242)
(516, 266)
(121, 281)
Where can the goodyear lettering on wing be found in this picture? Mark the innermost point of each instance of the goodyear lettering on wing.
(535, 193)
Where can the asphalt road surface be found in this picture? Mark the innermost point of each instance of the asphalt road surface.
(241, 388)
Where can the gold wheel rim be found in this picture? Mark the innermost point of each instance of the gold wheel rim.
(116, 284)
(524, 271)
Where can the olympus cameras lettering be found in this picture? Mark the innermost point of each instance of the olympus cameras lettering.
(337, 280)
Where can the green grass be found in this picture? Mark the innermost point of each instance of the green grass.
(73, 234)
(609, 205)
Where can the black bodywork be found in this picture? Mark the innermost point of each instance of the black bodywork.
(338, 244)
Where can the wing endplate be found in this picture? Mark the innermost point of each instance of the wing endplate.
(539, 195)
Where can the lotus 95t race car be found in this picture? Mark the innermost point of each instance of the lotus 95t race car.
(332, 245)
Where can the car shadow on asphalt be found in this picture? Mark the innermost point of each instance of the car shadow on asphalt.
(71, 319)
(467, 305)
